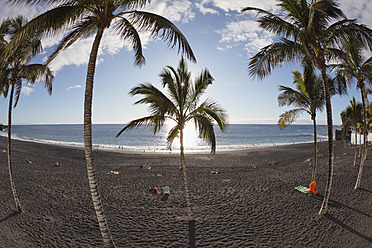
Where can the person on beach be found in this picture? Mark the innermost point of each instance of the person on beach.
(28, 161)
(58, 164)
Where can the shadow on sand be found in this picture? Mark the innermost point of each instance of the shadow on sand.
(366, 190)
(340, 223)
(11, 215)
(192, 234)
(336, 204)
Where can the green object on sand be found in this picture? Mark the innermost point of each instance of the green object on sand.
(303, 189)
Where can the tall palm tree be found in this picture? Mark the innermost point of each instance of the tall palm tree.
(354, 67)
(305, 99)
(92, 18)
(180, 106)
(12, 75)
(351, 117)
(307, 31)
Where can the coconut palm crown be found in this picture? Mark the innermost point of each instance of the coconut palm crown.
(305, 99)
(181, 105)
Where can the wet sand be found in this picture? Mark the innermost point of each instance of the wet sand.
(249, 204)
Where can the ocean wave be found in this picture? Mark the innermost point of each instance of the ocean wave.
(145, 141)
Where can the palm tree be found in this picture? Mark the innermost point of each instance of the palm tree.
(351, 117)
(181, 106)
(354, 67)
(307, 31)
(93, 18)
(308, 100)
(11, 78)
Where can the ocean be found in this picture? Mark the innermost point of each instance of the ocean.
(236, 137)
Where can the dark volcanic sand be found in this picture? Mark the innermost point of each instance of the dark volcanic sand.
(241, 207)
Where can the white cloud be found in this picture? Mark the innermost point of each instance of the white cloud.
(236, 5)
(8, 10)
(242, 32)
(26, 90)
(360, 10)
(175, 11)
(78, 53)
(247, 32)
(205, 10)
(74, 87)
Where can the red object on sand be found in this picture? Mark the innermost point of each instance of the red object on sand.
(313, 187)
(154, 191)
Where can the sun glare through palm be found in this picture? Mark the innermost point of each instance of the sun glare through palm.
(190, 140)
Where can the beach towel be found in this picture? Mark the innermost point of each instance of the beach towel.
(303, 189)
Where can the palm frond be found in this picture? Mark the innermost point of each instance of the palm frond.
(34, 2)
(329, 10)
(259, 11)
(18, 90)
(201, 83)
(84, 28)
(163, 28)
(128, 33)
(170, 79)
(288, 117)
(159, 105)
(134, 4)
(273, 55)
(290, 96)
(145, 121)
(206, 130)
(38, 73)
(172, 134)
(211, 110)
(153, 96)
(4, 82)
(49, 23)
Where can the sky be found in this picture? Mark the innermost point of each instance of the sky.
(223, 40)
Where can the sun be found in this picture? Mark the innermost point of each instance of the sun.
(190, 136)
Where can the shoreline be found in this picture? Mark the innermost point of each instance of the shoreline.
(250, 204)
(97, 147)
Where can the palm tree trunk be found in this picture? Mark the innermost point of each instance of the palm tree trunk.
(355, 145)
(364, 154)
(191, 220)
(183, 164)
(12, 184)
(324, 207)
(105, 231)
(315, 151)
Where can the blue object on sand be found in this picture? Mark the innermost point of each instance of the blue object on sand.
(166, 190)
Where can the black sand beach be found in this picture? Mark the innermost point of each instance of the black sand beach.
(250, 204)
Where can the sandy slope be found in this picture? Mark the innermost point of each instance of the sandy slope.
(250, 204)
